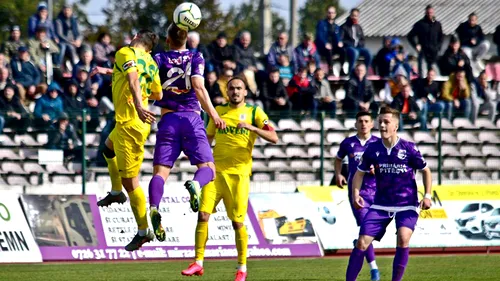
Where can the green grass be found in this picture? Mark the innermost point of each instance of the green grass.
(431, 268)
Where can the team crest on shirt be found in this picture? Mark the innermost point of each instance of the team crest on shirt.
(128, 64)
(377, 153)
(243, 117)
(402, 154)
(352, 144)
(358, 156)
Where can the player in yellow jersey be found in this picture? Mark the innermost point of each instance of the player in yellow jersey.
(135, 80)
(233, 162)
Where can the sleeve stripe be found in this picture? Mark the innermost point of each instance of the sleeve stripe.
(197, 75)
(423, 167)
(359, 169)
(338, 157)
(253, 115)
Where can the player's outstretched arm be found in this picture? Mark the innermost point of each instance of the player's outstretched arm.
(135, 88)
(266, 133)
(198, 84)
(101, 70)
(425, 204)
(357, 181)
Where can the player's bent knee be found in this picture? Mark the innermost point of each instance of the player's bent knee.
(404, 236)
(130, 184)
(364, 242)
(203, 217)
(162, 171)
(237, 225)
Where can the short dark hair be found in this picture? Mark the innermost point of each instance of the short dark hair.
(177, 36)
(102, 35)
(147, 38)
(389, 110)
(240, 77)
(274, 69)
(355, 10)
(363, 113)
(428, 7)
(473, 14)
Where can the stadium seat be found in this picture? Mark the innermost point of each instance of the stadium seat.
(444, 123)
(288, 125)
(335, 138)
(498, 123)
(493, 163)
(58, 169)
(12, 167)
(333, 124)
(274, 152)
(470, 150)
(151, 140)
(92, 139)
(103, 178)
(452, 164)
(42, 138)
(185, 166)
(62, 180)
(310, 125)
(35, 180)
(259, 165)
(292, 138)
(326, 164)
(306, 177)
(424, 137)
(463, 123)
(257, 153)
(448, 137)
(285, 177)
(428, 150)
(406, 136)
(315, 152)
(25, 140)
(29, 153)
(432, 163)
(148, 155)
(17, 180)
(489, 137)
(334, 150)
(467, 137)
(33, 168)
(92, 154)
(312, 138)
(9, 154)
(340, 94)
(6, 141)
(300, 165)
(278, 165)
(474, 164)
(261, 177)
(490, 150)
(350, 124)
(484, 123)
(295, 152)
(479, 176)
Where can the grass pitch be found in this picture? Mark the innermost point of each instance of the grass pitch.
(429, 268)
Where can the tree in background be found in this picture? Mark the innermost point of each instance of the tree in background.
(313, 11)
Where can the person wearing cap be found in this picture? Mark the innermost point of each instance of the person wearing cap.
(13, 43)
(306, 52)
(26, 75)
(279, 47)
(48, 107)
(223, 55)
(41, 19)
(70, 39)
(454, 59)
(38, 48)
(15, 115)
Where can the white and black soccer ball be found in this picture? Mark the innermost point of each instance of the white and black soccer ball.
(187, 16)
(327, 215)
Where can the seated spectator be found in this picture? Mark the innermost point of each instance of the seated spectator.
(86, 89)
(194, 45)
(359, 94)
(41, 19)
(406, 104)
(274, 95)
(102, 48)
(66, 26)
(62, 136)
(285, 69)
(328, 39)
(456, 95)
(398, 58)
(38, 48)
(10, 47)
(311, 68)
(227, 74)
(280, 47)
(381, 65)
(427, 92)
(48, 107)
(5, 78)
(484, 98)
(223, 55)
(15, 115)
(306, 52)
(472, 41)
(455, 59)
(87, 63)
(26, 75)
(395, 85)
(323, 97)
(354, 41)
(244, 53)
(300, 92)
(213, 89)
(73, 103)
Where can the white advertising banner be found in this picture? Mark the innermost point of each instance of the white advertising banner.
(16, 240)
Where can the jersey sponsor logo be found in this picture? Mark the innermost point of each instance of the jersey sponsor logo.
(402, 154)
(129, 64)
(391, 168)
(233, 131)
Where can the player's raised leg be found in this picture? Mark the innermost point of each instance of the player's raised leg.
(357, 257)
(116, 195)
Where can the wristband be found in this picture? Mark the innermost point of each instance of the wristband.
(428, 196)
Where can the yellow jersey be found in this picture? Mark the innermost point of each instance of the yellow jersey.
(129, 59)
(233, 146)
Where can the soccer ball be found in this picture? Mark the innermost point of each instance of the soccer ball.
(187, 16)
(327, 215)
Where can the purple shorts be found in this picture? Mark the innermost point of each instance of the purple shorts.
(376, 221)
(360, 214)
(181, 131)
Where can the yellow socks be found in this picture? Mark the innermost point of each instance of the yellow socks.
(116, 180)
(138, 205)
(200, 240)
(242, 245)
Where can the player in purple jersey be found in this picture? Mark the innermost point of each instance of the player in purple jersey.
(181, 128)
(395, 161)
(353, 147)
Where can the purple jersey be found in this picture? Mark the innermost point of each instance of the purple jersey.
(176, 69)
(353, 147)
(395, 173)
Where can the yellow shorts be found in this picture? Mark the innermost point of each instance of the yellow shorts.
(128, 142)
(233, 190)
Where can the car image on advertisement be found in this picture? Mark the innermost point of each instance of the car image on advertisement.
(472, 219)
(492, 225)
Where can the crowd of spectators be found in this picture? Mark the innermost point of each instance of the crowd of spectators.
(45, 81)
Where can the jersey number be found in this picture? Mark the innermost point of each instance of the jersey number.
(174, 74)
(147, 75)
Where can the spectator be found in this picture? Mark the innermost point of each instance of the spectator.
(223, 55)
(429, 35)
(41, 19)
(456, 95)
(405, 103)
(15, 115)
(69, 36)
(311, 68)
(26, 75)
(301, 93)
(359, 93)
(39, 47)
(227, 74)
(194, 45)
(472, 41)
(382, 66)
(328, 39)
(104, 94)
(286, 71)
(496, 39)
(455, 59)
(354, 41)
(48, 107)
(427, 93)
(395, 85)
(74, 102)
(323, 97)
(244, 53)
(274, 95)
(63, 136)
(306, 52)
(398, 58)
(213, 89)
(12, 44)
(484, 98)
(5, 78)
(280, 47)
(87, 63)
(102, 48)
(3, 61)
(89, 91)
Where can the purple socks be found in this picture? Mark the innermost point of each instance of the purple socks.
(370, 254)
(156, 186)
(204, 175)
(400, 262)
(355, 264)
